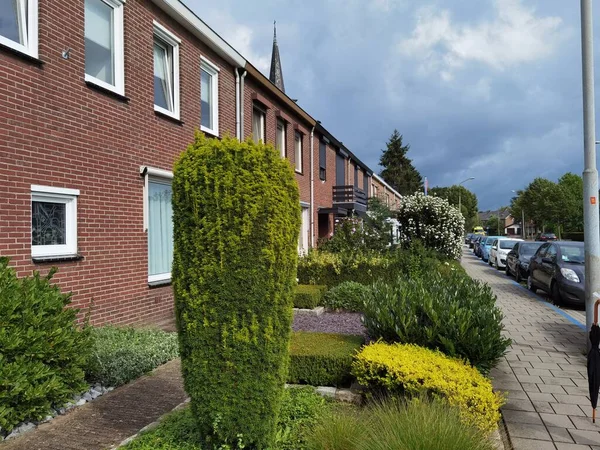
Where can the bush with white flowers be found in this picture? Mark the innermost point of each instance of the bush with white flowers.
(433, 221)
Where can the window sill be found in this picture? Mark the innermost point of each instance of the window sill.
(159, 283)
(109, 92)
(53, 259)
(299, 172)
(22, 54)
(209, 132)
(168, 117)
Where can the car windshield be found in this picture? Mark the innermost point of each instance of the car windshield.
(572, 253)
(530, 248)
(490, 240)
(549, 235)
(506, 244)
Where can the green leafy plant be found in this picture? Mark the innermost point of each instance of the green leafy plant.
(120, 355)
(42, 351)
(236, 215)
(322, 359)
(308, 296)
(346, 296)
(420, 424)
(446, 311)
(410, 370)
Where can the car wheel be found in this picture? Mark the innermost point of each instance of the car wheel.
(518, 275)
(530, 285)
(496, 266)
(555, 294)
(507, 270)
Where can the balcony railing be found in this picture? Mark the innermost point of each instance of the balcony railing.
(349, 194)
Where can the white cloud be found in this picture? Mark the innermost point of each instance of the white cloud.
(515, 36)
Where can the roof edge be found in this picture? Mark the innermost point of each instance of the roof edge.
(382, 181)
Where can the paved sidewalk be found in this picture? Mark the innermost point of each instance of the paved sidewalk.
(109, 419)
(544, 371)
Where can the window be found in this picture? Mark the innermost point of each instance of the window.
(366, 183)
(53, 221)
(209, 97)
(374, 190)
(322, 160)
(298, 152)
(166, 71)
(19, 25)
(104, 44)
(356, 176)
(551, 253)
(387, 199)
(280, 141)
(158, 221)
(258, 124)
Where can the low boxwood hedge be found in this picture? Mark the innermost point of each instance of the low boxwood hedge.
(308, 296)
(322, 359)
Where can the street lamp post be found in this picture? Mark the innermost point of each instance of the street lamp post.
(590, 174)
(522, 218)
(459, 193)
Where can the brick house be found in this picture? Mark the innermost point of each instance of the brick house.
(96, 103)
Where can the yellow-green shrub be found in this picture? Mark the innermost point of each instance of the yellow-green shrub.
(413, 370)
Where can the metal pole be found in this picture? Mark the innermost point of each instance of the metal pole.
(523, 223)
(591, 218)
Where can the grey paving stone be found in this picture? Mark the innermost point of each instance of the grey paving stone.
(567, 374)
(572, 399)
(541, 397)
(543, 407)
(531, 444)
(528, 431)
(560, 435)
(556, 420)
(585, 437)
(554, 388)
(529, 379)
(570, 410)
(561, 446)
(585, 423)
(558, 381)
(521, 417)
(518, 404)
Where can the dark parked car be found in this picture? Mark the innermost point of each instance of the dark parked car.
(517, 260)
(545, 237)
(558, 268)
(477, 245)
(468, 239)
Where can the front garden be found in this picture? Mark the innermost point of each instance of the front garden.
(404, 326)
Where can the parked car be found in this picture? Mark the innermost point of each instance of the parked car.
(558, 268)
(499, 250)
(486, 245)
(477, 246)
(544, 237)
(517, 260)
(468, 238)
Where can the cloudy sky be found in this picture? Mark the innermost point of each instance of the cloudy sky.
(482, 88)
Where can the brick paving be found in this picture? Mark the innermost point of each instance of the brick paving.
(544, 372)
(108, 420)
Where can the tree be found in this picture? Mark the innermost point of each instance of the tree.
(236, 216)
(571, 191)
(398, 170)
(468, 201)
(491, 226)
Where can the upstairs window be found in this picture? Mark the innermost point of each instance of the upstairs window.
(298, 152)
(366, 183)
(258, 124)
(209, 93)
(19, 25)
(280, 141)
(166, 71)
(104, 60)
(356, 176)
(322, 160)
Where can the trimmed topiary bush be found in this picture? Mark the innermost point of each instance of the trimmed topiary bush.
(236, 214)
(42, 352)
(120, 355)
(347, 296)
(400, 369)
(322, 359)
(308, 296)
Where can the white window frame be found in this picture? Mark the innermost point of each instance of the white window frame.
(283, 124)
(119, 51)
(263, 115)
(298, 151)
(213, 71)
(29, 32)
(165, 37)
(160, 176)
(69, 198)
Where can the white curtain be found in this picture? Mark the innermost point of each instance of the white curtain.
(160, 228)
(99, 31)
(162, 83)
(257, 126)
(206, 99)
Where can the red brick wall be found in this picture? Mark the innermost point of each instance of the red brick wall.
(57, 131)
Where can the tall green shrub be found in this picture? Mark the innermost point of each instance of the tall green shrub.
(42, 351)
(236, 216)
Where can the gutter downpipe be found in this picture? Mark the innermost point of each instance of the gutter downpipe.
(312, 189)
(237, 104)
(242, 104)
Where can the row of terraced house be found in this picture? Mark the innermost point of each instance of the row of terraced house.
(97, 100)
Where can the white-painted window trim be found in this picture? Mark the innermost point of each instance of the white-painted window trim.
(165, 37)
(262, 116)
(282, 150)
(213, 71)
(119, 49)
(69, 198)
(28, 16)
(298, 150)
(159, 175)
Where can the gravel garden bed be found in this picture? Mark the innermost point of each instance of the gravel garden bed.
(330, 322)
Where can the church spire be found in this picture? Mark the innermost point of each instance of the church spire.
(276, 75)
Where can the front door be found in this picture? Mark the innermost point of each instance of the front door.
(304, 238)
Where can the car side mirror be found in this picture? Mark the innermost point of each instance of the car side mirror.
(495, 248)
(547, 260)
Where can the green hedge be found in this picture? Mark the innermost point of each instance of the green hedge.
(322, 359)
(120, 355)
(308, 296)
(236, 215)
(347, 296)
(42, 352)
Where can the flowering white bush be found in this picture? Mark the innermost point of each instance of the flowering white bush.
(433, 221)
